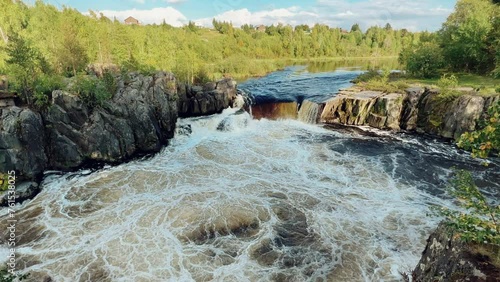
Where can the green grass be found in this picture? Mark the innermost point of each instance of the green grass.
(485, 84)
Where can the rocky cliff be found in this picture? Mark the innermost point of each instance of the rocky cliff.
(208, 99)
(418, 109)
(140, 118)
(446, 258)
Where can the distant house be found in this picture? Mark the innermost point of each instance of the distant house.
(261, 28)
(132, 21)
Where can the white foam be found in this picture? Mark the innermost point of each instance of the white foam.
(131, 222)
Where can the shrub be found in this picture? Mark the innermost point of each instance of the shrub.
(44, 85)
(447, 86)
(93, 92)
(497, 90)
(486, 140)
(6, 276)
(365, 77)
(478, 220)
(424, 60)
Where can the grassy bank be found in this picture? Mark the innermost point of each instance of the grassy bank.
(453, 84)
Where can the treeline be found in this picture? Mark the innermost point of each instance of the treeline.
(68, 41)
(469, 41)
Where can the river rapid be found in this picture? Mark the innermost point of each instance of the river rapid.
(238, 199)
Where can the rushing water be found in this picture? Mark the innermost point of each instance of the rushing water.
(239, 199)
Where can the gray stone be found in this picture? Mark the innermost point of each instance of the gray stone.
(22, 141)
(23, 191)
(447, 258)
(210, 99)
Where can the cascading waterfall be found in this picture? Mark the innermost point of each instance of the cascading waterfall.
(239, 199)
(309, 112)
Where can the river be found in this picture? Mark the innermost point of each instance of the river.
(239, 199)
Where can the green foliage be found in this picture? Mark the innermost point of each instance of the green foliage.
(4, 183)
(69, 41)
(6, 276)
(424, 60)
(478, 220)
(24, 64)
(447, 86)
(93, 91)
(470, 36)
(485, 141)
(365, 77)
(381, 81)
(43, 87)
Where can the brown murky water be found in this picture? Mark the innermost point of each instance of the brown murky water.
(260, 201)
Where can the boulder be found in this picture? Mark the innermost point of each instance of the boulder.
(448, 117)
(462, 116)
(139, 118)
(357, 107)
(409, 114)
(22, 141)
(209, 99)
(386, 112)
(23, 191)
(350, 108)
(447, 258)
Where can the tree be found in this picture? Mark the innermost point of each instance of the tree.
(71, 56)
(25, 63)
(464, 36)
(480, 224)
(423, 60)
(355, 27)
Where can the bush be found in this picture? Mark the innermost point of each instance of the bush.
(365, 77)
(447, 86)
(479, 223)
(93, 92)
(44, 85)
(497, 90)
(424, 60)
(6, 276)
(485, 141)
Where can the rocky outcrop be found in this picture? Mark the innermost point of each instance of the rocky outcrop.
(209, 99)
(446, 258)
(418, 109)
(22, 141)
(358, 107)
(140, 118)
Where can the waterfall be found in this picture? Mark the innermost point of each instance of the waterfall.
(309, 112)
(282, 110)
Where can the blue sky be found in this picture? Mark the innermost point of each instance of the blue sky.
(410, 14)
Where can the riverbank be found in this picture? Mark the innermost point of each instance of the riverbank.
(139, 119)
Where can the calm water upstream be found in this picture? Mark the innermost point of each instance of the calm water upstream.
(260, 201)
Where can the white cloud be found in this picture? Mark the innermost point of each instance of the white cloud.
(175, 1)
(410, 14)
(140, 1)
(291, 15)
(155, 15)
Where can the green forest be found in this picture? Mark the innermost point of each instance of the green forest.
(40, 44)
(64, 42)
